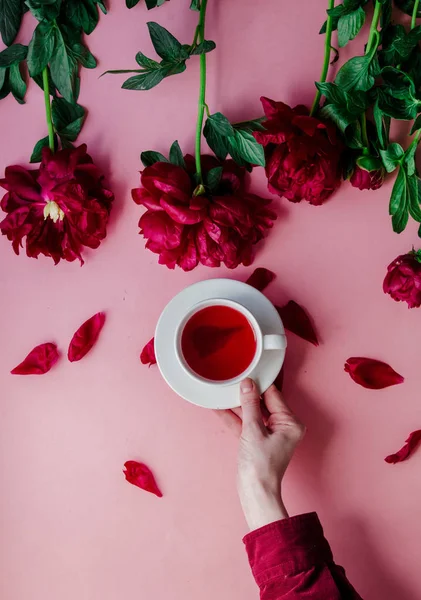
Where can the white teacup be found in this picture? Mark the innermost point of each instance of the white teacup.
(264, 342)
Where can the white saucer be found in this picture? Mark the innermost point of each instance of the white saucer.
(205, 394)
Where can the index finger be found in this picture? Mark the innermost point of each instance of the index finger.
(274, 401)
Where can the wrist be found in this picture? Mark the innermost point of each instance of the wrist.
(262, 506)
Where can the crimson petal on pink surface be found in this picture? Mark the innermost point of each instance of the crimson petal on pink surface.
(147, 356)
(261, 278)
(39, 361)
(296, 320)
(208, 339)
(85, 337)
(372, 374)
(140, 475)
(410, 445)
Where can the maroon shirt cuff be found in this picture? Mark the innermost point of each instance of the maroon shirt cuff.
(296, 544)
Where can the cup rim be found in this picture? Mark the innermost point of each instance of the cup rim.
(253, 324)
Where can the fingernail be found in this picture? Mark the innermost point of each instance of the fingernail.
(246, 386)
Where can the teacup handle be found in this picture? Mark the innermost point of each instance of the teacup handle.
(274, 342)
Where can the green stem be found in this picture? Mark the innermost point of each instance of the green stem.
(364, 133)
(48, 109)
(326, 60)
(414, 14)
(202, 90)
(373, 35)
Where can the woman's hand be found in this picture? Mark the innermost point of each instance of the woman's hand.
(269, 434)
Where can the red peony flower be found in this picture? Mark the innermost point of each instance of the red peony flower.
(303, 154)
(60, 207)
(403, 279)
(368, 174)
(185, 230)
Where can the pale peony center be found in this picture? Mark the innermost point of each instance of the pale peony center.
(52, 210)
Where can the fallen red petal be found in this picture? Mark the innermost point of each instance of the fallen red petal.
(296, 320)
(406, 451)
(85, 337)
(140, 475)
(39, 360)
(261, 278)
(147, 356)
(372, 374)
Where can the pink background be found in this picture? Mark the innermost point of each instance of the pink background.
(71, 527)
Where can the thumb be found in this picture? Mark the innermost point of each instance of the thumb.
(250, 404)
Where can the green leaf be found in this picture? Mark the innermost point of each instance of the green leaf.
(336, 11)
(351, 103)
(40, 48)
(5, 88)
(397, 96)
(204, 47)
(146, 62)
(39, 81)
(61, 68)
(404, 109)
(176, 156)
(41, 10)
(339, 115)
(144, 81)
(382, 122)
(119, 71)
(213, 179)
(399, 205)
(332, 92)
(358, 73)
(131, 3)
(154, 3)
(165, 44)
(413, 187)
(397, 83)
(11, 12)
(195, 5)
(253, 125)
(67, 118)
(150, 157)
(66, 143)
(14, 54)
(82, 14)
(353, 136)
(243, 147)
(349, 25)
(37, 151)
(392, 157)
(220, 124)
(369, 163)
(17, 84)
(82, 54)
(3, 72)
(407, 6)
(409, 160)
(216, 141)
(335, 21)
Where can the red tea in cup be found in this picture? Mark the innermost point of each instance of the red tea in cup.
(218, 343)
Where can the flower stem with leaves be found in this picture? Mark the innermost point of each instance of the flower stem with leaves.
(414, 14)
(200, 37)
(48, 116)
(326, 60)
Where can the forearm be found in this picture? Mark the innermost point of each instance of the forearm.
(262, 506)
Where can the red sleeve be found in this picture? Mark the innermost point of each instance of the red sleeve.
(292, 560)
